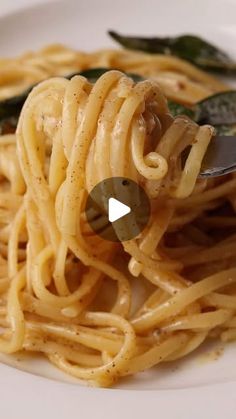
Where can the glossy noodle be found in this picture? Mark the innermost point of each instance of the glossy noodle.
(71, 295)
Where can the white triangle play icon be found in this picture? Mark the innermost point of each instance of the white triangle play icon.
(116, 210)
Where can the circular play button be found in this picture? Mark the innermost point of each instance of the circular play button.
(117, 209)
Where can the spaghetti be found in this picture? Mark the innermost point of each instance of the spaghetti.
(67, 293)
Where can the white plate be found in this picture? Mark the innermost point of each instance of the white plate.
(198, 385)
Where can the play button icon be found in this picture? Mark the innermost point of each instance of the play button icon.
(117, 209)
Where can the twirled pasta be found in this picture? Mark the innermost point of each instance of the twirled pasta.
(54, 269)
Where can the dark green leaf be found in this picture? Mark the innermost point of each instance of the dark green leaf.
(8, 125)
(94, 73)
(218, 109)
(188, 47)
(178, 109)
(10, 108)
(228, 130)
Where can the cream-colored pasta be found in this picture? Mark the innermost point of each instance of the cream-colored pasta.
(66, 292)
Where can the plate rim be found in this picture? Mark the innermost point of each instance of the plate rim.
(51, 397)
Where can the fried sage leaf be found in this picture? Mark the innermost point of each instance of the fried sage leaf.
(10, 108)
(178, 109)
(226, 130)
(188, 47)
(8, 125)
(94, 73)
(218, 109)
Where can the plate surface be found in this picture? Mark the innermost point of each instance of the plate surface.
(202, 384)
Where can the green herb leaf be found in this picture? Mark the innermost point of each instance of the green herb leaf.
(188, 47)
(226, 130)
(218, 109)
(8, 125)
(178, 109)
(10, 108)
(94, 73)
